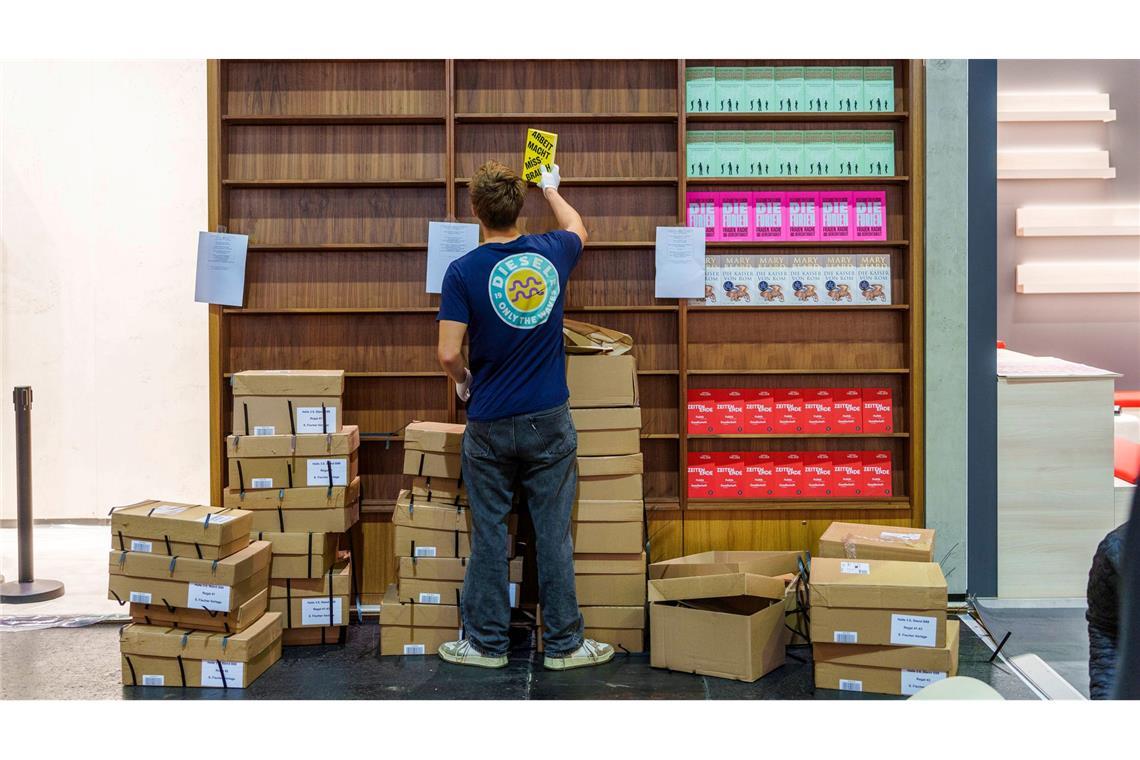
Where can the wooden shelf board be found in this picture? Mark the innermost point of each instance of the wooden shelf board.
(791, 436)
(330, 183)
(653, 307)
(410, 373)
(849, 371)
(774, 244)
(602, 181)
(596, 118)
(796, 116)
(797, 504)
(662, 505)
(894, 180)
(660, 436)
(337, 310)
(313, 119)
(810, 307)
(334, 247)
(657, 371)
(377, 506)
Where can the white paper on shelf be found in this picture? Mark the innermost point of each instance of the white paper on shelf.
(447, 241)
(220, 276)
(680, 262)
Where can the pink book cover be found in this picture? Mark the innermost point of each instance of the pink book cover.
(836, 220)
(870, 215)
(769, 216)
(701, 212)
(734, 216)
(803, 216)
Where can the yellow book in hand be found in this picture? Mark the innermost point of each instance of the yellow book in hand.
(539, 153)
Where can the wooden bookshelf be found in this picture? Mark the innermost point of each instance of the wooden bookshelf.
(334, 169)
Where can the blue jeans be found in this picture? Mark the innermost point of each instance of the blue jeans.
(539, 451)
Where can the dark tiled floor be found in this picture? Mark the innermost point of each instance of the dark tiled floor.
(83, 663)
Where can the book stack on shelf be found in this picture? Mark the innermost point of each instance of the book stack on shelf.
(198, 591)
(789, 89)
(294, 464)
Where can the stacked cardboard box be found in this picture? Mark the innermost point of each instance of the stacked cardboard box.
(294, 464)
(432, 537)
(879, 625)
(190, 572)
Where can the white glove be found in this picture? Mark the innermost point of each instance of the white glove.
(550, 178)
(463, 390)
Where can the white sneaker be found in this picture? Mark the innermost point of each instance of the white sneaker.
(462, 653)
(590, 653)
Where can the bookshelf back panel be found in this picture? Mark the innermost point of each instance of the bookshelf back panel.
(614, 277)
(387, 404)
(338, 280)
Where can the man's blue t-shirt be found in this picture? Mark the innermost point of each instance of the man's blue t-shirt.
(510, 296)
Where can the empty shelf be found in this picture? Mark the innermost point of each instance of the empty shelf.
(1060, 106)
(1054, 164)
(1079, 277)
(1078, 221)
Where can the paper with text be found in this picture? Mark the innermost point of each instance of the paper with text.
(680, 260)
(220, 277)
(447, 241)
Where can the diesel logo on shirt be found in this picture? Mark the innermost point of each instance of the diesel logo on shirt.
(524, 289)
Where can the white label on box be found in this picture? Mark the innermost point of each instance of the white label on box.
(169, 509)
(264, 430)
(425, 551)
(854, 568)
(212, 674)
(140, 597)
(413, 649)
(141, 546)
(513, 592)
(849, 685)
(317, 472)
(914, 631)
(221, 519)
(426, 598)
(845, 637)
(309, 419)
(316, 611)
(154, 680)
(261, 483)
(887, 535)
(913, 681)
(208, 596)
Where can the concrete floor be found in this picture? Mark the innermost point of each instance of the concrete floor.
(83, 663)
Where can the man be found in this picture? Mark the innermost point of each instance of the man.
(1103, 614)
(507, 297)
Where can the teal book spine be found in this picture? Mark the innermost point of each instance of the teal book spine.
(760, 88)
(700, 89)
(819, 88)
(790, 89)
(879, 88)
(848, 88)
(730, 97)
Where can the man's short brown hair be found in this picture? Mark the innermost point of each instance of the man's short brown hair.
(497, 195)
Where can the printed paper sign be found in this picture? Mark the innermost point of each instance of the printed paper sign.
(848, 685)
(845, 637)
(140, 597)
(317, 472)
(316, 611)
(316, 419)
(261, 483)
(413, 648)
(447, 241)
(221, 519)
(538, 154)
(680, 262)
(913, 681)
(887, 535)
(208, 596)
(426, 598)
(169, 509)
(153, 680)
(141, 546)
(264, 430)
(220, 275)
(854, 568)
(425, 551)
(213, 670)
(914, 631)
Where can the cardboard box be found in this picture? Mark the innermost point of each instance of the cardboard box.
(448, 569)
(425, 542)
(228, 570)
(312, 611)
(408, 628)
(432, 464)
(299, 555)
(445, 490)
(161, 656)
(292, 637)
(172, 529)
(336, 582)
(306, 520)
(602, 381)
(609, 511)
(444, 592)
(440, 437)
(606, 536)
(878, 411)
(861, 541)
(173, 595)
(420, 512)
(334, 444)
(769, 563)
(610, 478)
(288, 382)
(317, 497)
(202, 620)
(885, 669)
(847, 411)
(608, 432)
(287, 415)
(610, 580)
(880, 602)
(727, 626)
(254, 473)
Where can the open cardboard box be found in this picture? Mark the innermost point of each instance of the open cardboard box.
(859, 541)
(770, 563)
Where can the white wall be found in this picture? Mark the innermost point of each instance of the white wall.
(102, 191)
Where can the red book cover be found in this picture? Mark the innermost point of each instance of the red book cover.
(877, 473)
(817, 411)
(702, 475)
(760, 476)
(789, 475)
(730, 479)
(789, 411)
(759, 411)
(877, 411)
(846, 411)
(729, 414)
(701, 406)
(818, 483)
(847, 473)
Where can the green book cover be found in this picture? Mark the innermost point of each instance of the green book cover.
(879, 88)
(819, 88)
(848, 82)
(790, 88)
(700, 153)
(731, 160)
(760, 88)
(789, 154)
(758, 148)
(730, 96)
(879, 152)
(700, 89)
(848, 153)
(819, 152)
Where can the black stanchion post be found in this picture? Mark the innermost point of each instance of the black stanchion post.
(26, 589)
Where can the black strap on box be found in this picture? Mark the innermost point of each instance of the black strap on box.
(222, 673)
(118, 598)
(328, 467)
(414, 552)
(169, 607)
(150, 511)
(289, 470)
(237, 441)
(324, 418)
(206, 522)
(198, 549)
(147, 619)
(260, 535)
(309, 564)
(122, 545)
(330, 597)
(420, 469)
(169, 550)
(281, 518)
(456, 542)
(122, 559)
(245, 412)
(292, 424)
(288, 603)
(214, 567)
(182, 671)
(131, 666)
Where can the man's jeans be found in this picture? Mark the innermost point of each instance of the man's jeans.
(539, 451)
